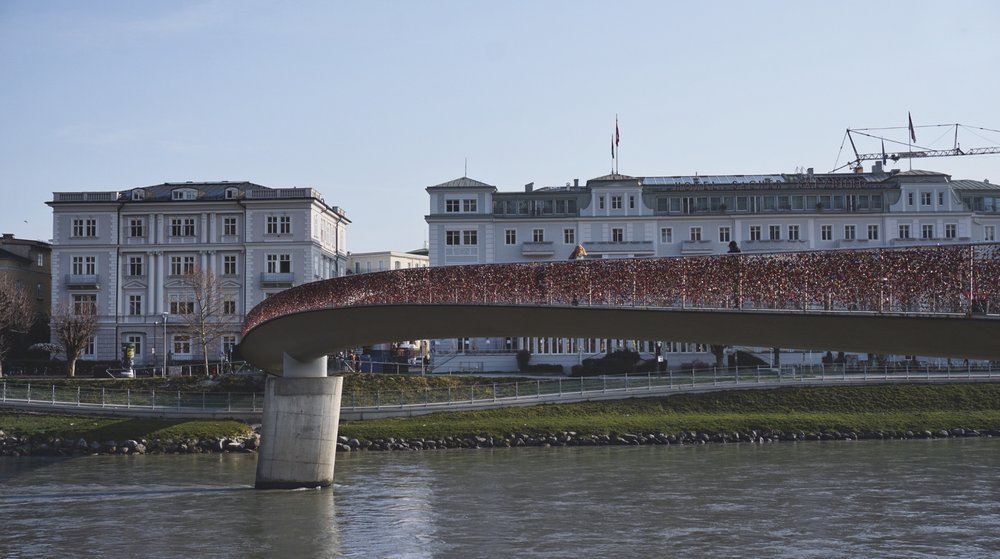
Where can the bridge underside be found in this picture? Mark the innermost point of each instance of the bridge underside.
(313, 334)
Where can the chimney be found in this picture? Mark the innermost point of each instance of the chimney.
(877, 167)
(529, 187)
(809, 171)
(576, 182)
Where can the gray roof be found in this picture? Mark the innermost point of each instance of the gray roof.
(964, 184)
(215, 190)
(463, 182)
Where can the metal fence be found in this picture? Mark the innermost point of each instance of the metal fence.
(483, 395)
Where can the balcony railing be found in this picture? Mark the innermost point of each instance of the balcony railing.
(699, 247)
(541, 248)
(637, 248)
(83, 280)
(277, 278)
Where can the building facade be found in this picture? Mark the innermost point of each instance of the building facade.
(383, 261)
(125, 254)
(618, 216)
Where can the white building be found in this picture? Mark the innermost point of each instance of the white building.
(383, 261)
(618, 216)
(125, 252)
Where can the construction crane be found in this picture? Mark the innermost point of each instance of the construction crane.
(912, 151)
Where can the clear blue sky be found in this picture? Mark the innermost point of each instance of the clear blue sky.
(370, 102)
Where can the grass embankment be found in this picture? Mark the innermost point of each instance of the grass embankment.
(861, 409)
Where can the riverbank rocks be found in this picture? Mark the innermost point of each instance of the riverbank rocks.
(58, 446)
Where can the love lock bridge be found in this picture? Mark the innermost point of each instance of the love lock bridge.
(933, 301)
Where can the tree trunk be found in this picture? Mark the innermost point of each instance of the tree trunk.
(71, 368)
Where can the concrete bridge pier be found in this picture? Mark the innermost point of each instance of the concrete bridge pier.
(299, 426)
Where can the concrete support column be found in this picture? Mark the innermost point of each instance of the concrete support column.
(299, 427)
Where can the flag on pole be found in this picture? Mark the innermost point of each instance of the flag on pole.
(617, 136)
(883, 152)
(913, 135)
(612, 147)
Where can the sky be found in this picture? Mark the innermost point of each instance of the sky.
(371, 102)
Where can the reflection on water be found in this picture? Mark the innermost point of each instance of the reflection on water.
(845, 499)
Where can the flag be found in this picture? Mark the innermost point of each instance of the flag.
(612, 147)
(883, 152)
(913, 135)
(617, 136)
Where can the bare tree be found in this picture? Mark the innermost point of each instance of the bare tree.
(73, 328)
(17, 314)
(208, 319)
(719, 351)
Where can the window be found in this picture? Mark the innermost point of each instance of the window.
(724, 235)
(904, 231)
(136, 227)
(569, 236)
(182, 344)
(89, 349)
(826, 232)
(538, 235)
(452, 238)
(181, 265)
(940, 198)
(182, 227)
(793, 232)
(469, 205)
(184, 194)
(451, 206)
(755, 232)
(228, 344)
(600, 202)
(774, 232)
(232, 193)
(470, 237)
(695, 233)
(616, 202)
(631, 202)
(41, 259)
(85, 304)
(83, 265)
(181, 303)
(135, 305)
(229, 226)
(229, 267)
(279, 225)
(909, 198)
(84, 227)
(950, 230)
(927, 231)
(617, 235)
(850, 232)
(666, 235)
(138, 194)
(873, 232)
(510, 236)
(925, 198)
(279, 263)
(136, 341)
(229, 305)
(135, 266)
(990, 233)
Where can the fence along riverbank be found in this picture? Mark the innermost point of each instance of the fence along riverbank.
(360, 405)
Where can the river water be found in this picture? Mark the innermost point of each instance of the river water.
(886, 499)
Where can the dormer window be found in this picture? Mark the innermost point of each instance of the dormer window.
(232, 193)
(184, 194)
(138, 194)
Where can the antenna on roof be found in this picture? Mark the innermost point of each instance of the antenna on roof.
(466, 172)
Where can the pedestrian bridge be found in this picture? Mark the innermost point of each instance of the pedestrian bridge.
(933, 301)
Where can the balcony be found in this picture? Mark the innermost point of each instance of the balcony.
(543, 248)
(700, 247)
(83, 281)
(913, 241)
(775, 245)
(277, 279)
(623, 248)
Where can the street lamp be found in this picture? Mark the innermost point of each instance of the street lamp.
(164, 372)
(156, 324)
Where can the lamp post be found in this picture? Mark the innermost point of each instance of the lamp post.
(164, 372)
(156, 323)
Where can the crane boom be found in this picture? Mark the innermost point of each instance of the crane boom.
(897, 155)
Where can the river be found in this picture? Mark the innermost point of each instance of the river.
(886, 499)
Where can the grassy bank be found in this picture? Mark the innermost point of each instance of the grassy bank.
(867, 408)
(862, 408)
